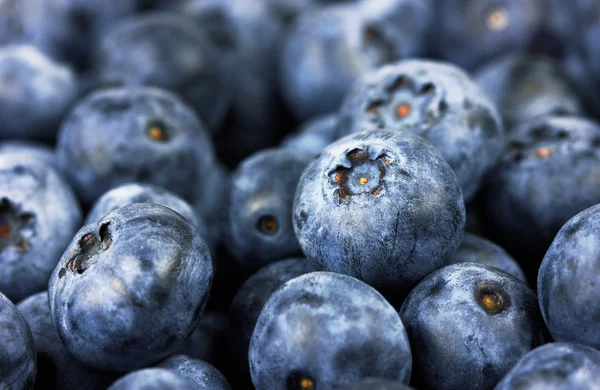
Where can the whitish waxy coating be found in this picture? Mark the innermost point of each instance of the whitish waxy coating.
(381, 206)
(329, 329)
(153, 379)
(130, 288)
(568, 287)
(202, 374)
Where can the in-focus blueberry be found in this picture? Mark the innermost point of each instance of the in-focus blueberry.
(17, 349)
(153, 379)
(36, 93)
(381, 206)
(129, 289)
(468, 324)
(558, 366)
(568, 281)
(314, 135)
(120, 135)
(326, 331)
(259, 222)
(38, 216)
(437, 101)
(202, 374)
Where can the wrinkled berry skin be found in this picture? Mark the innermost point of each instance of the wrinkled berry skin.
(404, 222)
(140, 51)
(331, 47)
(528, 86)
(437, 101)
(567, 281)
(17, 349)
(379, 384)
(56, 368)
(38, 216)
(37, 93)
(33, 150)
(557, 366)
(259, 223)
(250, 300)
(202, 374)
(470, 319)
(472, 32)
(475, 249)
(153, 379)
(120, 135)
(314, 135)
(529, 197)
(330, 329)
(129, 289)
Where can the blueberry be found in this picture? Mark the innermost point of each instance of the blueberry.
(250, 300)
(548, 173)
(528, 86)
(567, 281)
(37, 151)
(17, 349)
(436, 101)
(555, 366)
(259, 226)
(56, 368)
(314, 135)
(128, 290)
(326, 331)
(473, 31)
(36, 93)
(38, 216)
(382, 206)
(207, 340)
(120, 135)
(588, 22)
(202, 374)
(476, 249)
(153, 379)
(468, 324)
(141, 51)
(379, 384)
(331, 47)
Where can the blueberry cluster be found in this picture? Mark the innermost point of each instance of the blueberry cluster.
(299, 194)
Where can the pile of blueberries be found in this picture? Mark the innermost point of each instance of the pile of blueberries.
(299, 194)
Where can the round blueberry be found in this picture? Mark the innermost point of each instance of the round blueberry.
(120, 135)
(36, 93)
(130, 287)
(38, 216)
(259, 226)
(17, 349)
(326, 331)
(476, 249)
(437, 101)
(568, 281)
(468, 324)
(202, 374)
(382, 206)
(555, 366)
(153, 379)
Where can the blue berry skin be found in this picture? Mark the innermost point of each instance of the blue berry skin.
(404, 222)
(528, 86)
(331, 330)
(33, 150)
(314, 135)
(202, 374)
(250, 300)
(331, 47)
(379, 384)
(557, 366)
(153, 379)
(36, 93)
(17, 350)
(38, 216)
(470, 319)
(475, 249)
(56, 368)
(437, 101)
(140, 51)
(567, 281)
(529, 197)
(471, 32)
(207, 340)
(129, 289)
(259, 223)
(116, 136)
